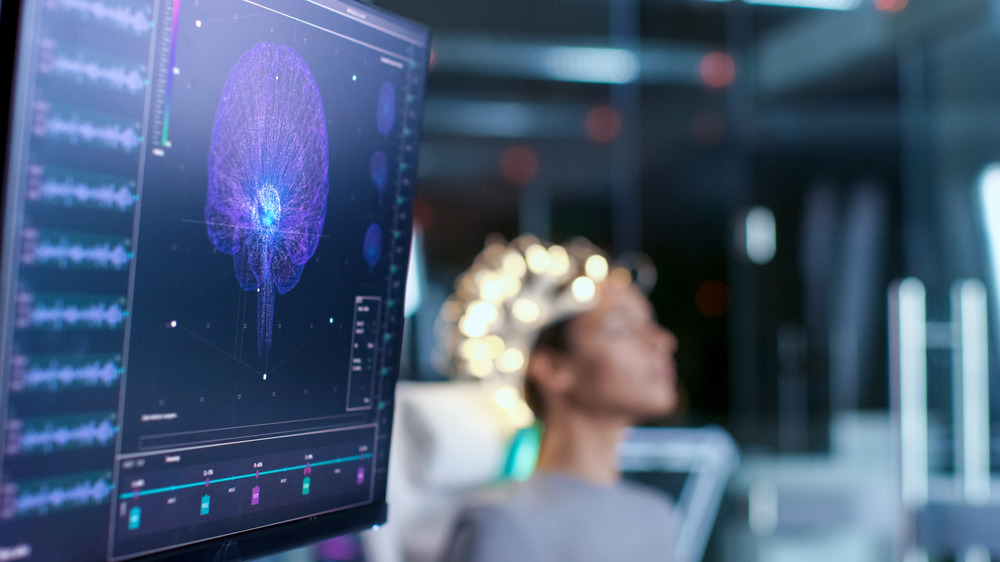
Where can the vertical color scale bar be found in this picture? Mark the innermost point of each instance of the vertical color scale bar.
(972, 375)
(164, 140)
(912, 326)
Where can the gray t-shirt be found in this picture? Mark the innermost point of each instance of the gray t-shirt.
(555, 517)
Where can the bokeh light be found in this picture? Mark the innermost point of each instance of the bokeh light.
(519, 164)
(891, 5)
(603, 123)
(717, 70)
(583, 289)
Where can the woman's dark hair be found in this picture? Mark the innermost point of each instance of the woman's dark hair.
(554, 338)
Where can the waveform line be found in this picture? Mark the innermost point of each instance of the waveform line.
(105, 195)
(255, 474)
(52, 435)
(97, 255)
(121, 17)
(111, 135)
(118, 77)
(56, 374)
(92, 491)
(96, 315)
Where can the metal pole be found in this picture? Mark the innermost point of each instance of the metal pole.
(971, 376)
(908, 396)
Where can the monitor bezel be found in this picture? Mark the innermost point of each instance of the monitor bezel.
(278, 538)
(250, 543)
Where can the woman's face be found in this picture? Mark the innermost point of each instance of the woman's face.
(623, 358)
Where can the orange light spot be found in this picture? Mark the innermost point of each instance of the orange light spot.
(891, 5)
(519, 164)
(717, 70)
(603, 123)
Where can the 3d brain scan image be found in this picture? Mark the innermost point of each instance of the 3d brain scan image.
(268, 175)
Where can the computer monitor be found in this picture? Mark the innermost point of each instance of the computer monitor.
(206, 218)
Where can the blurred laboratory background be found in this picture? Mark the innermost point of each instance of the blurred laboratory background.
(818, 184)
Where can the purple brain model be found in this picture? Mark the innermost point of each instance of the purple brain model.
(267, 174)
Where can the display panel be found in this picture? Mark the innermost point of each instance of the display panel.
(206, 226)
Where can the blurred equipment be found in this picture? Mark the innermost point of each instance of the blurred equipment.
(826, 507)
(951, 512)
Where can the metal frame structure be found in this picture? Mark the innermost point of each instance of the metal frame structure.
(952, 513)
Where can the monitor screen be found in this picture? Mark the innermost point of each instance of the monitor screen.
(206, 227)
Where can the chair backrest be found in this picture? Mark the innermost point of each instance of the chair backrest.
(705, 456)
(448, 439)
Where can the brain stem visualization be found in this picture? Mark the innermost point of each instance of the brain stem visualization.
(267, 175)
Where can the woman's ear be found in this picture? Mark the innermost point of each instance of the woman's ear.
(552, 372)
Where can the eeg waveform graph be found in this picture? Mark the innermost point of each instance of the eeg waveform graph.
(81, 189)
(87, 66)
(41, 497)
(54, 373)
(87, 127)
(70, 312)
(134, 19)
(75, 250)
(46, 435)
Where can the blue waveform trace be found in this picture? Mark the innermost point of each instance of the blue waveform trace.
(62, 372)
(119, 16)
(45, 436)
(117, 77)
(100, 130)
(59, 313)
(40, 498)
(87, 190)
(111, 135)
(83, 251)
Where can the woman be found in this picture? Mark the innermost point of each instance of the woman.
(589, 377)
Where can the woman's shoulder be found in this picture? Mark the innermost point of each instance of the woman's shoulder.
(646, 495)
